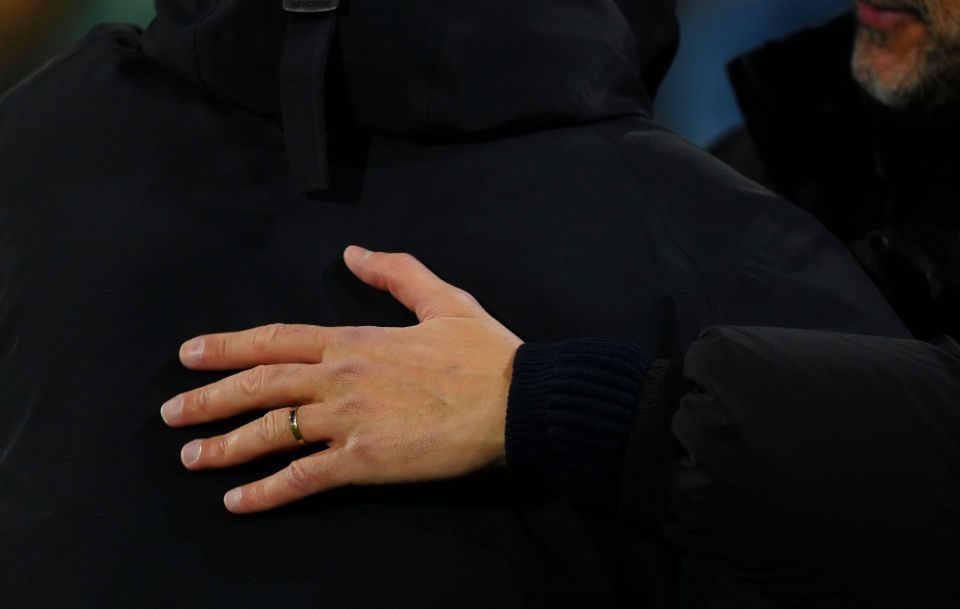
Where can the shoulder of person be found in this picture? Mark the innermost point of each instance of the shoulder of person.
(94, 56)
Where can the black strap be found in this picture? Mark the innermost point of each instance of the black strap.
(303, 71)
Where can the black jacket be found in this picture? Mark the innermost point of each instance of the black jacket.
(798, 469)
(883, 180)
(793, 468)
(152, 187)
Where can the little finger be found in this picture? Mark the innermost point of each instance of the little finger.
(302, 478)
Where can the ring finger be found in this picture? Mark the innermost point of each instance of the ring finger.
(271, 433)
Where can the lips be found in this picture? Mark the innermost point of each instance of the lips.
(886, 15)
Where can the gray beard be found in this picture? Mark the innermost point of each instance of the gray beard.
(937, 84)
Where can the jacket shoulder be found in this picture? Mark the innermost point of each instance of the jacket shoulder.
(80, 111)
(104, 43)
(737, 149)
(701, 202)
(763, 261)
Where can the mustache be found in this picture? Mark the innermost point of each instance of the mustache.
(919, 8)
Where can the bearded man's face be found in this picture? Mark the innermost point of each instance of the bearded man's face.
(907, 52)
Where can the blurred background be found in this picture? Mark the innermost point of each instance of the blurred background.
(695, 101)
(31, 31)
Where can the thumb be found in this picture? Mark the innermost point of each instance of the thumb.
(411, 283)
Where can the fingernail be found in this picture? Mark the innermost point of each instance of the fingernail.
(172, 409)
(192, 350)
(190, 452)
(355, 251)
(232, 498)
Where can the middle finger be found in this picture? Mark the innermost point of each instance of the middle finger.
(254, 389)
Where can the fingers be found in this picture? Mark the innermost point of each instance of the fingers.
(411, 283)
(271, 387)
(302, 478)
(267, 435)
(273, 344)
(254, 389)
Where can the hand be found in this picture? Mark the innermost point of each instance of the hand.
(393, 405)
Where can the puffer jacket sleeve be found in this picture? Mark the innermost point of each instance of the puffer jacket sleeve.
(792, 468)
(820, 470)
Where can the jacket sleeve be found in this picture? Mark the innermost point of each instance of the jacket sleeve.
(809, 469)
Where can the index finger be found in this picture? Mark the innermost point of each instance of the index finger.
(273, 344)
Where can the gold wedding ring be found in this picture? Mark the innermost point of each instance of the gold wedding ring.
(295, 428)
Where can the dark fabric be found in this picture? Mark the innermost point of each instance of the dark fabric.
(802, 469)
(425, 68)
(419, 68)
(794, 468)
(650, 448)
(818, 470)
(146, 197)
(882, 180)
(303, 109)
(569, 413)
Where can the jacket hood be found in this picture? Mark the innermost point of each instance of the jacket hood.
(436, 67)
(447, 69)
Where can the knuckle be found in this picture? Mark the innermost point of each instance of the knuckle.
(270, 426)
(219, 447)
(265, 336)
(361, 334)
(297, 478)
(342, 342)
(351, 407)
(258, 493)
(400, 260)
(201, 401)
(252, 381)
(466, 297)
(346, 373)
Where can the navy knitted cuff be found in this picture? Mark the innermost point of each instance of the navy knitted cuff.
(570, 411)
